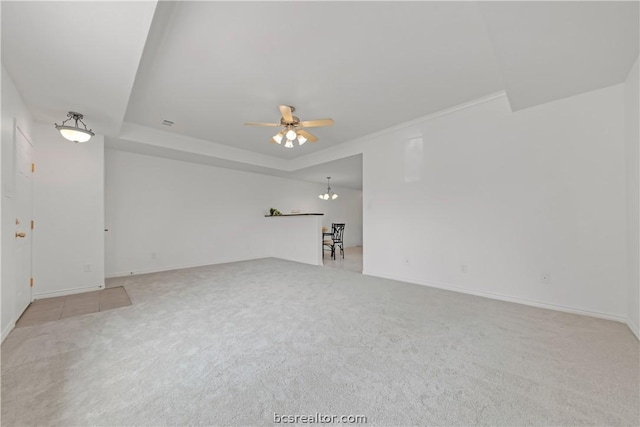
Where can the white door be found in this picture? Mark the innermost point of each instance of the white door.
(23, 197)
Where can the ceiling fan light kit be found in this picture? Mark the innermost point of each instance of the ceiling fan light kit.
(292, 127)
(75, 133)
(277, 138)
(329, 195)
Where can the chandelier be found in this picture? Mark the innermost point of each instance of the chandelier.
(329, 195)
(75, 133)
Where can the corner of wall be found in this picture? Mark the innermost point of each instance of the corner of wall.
(6, 331)
(634, 329)
(632, 172)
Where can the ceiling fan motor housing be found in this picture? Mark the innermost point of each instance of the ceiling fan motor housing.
(295, 122)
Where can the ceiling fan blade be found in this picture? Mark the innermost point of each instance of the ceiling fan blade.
(262, 124)
(285, 110)
(307, 135)
(316, 123)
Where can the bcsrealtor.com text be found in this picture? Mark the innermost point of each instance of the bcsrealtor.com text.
(318, 418)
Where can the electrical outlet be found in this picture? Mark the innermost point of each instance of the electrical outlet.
(407, 261)
(153, 255)
(545, 278)
(87, 268)
(463, 268)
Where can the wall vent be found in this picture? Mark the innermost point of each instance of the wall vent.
(167, 123)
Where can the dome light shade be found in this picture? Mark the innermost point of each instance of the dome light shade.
(301, 139)
(288, 144)
(291, 134)
(329, 194)
(75, 133)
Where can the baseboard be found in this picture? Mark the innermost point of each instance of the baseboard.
(6, 331)
(175, 267)
(64, 292)
(507, 298)
(634, 329)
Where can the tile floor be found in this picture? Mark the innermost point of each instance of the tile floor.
(48, 309)
(352, 260)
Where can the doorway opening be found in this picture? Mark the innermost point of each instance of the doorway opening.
(347, 209)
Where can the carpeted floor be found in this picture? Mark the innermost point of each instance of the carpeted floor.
(232, 344)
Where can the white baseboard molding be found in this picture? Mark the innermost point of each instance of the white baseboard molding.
(634, 329)
(6, 331)
(500, 297)
(176, 267)
(63, 292)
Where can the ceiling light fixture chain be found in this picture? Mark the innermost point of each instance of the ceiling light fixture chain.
(77, 117)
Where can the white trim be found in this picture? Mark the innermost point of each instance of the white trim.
(501, 297)
(162, 139)
(176, 267)
(64, 292)
(6, 331)
(426, 118)
(633, 328)
(309, 159)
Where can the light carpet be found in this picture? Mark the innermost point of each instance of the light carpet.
(231, 344)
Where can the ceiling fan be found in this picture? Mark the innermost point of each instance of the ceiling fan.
(292, 127)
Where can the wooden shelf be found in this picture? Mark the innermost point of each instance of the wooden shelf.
(297, 214)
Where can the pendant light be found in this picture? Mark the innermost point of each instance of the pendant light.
(329, 195)
(75, 133)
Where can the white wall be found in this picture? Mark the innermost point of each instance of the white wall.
(13, 108)
(510, 196)
(164, 214)
(632, 155)
(69, 214)
(295, 238)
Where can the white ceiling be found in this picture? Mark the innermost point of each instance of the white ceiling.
(211, 66)
(75, 56)
(217, 65)
(346, 172)
(552, 50)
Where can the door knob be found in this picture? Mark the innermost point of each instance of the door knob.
(21, 234)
